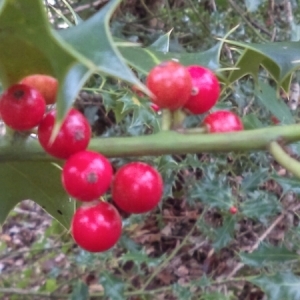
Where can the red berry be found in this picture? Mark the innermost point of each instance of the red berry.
(205, 90)
(137, 187)
(87, 175)
(155, 107)
(73, 136)
(274, 120)
(22, 107)
(96, 228)
(46, 85)
(171, 85)
(233, 210)
(223, 121)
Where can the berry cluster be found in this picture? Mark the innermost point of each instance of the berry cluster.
(194, 89)
(86, 176)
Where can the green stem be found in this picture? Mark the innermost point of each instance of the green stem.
(164, 142)
(289, 163)
(178, 119)
(166, 120)
(196, 130)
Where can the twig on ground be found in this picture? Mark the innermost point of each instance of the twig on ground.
(263, 237)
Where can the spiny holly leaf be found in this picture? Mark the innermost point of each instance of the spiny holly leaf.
(93, 40)
(246, 66)
(260, 205)
(279, 286)
(288, 184)
(162, 43)
(144, 59)
(224, 234)
(113, 287)
(267, 254)
(71, 61)
(253, 180)
(214, 193)
(80, 291)
(140, 257)
(38, 181)
(279, 59)
(29, 46)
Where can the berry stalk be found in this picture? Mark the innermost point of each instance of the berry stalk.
(289, 163)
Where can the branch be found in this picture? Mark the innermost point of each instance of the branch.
(165, 142)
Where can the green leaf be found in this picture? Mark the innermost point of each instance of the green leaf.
(139, 258)
(38, 181)
(144, 59)
(113, 287)
(80, 291)
(260, 205)
(253, 180)
(88, 259)
(181, 292)
(279, 286)
(162, 43)
(279, 59)
(42, 50)
(288, 184)
(252, 122)
(224, 234)
(129, 244)
(267, 254)
(39, 46)
(246, 66)
(71, 60)
(268, 97)
(93, 40)
(212, 193)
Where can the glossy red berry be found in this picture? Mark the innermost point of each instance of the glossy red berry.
(87, 175)
(96, 228)
(137, 187)
(45, 84)
(205, 90)
(233, 210)
(155, 107)
(73, 136)
(171, 85)
(222, 121)
(22, 107)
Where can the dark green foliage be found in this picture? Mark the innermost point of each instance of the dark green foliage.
(190, 247)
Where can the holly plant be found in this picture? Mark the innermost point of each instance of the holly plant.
(49, 152)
